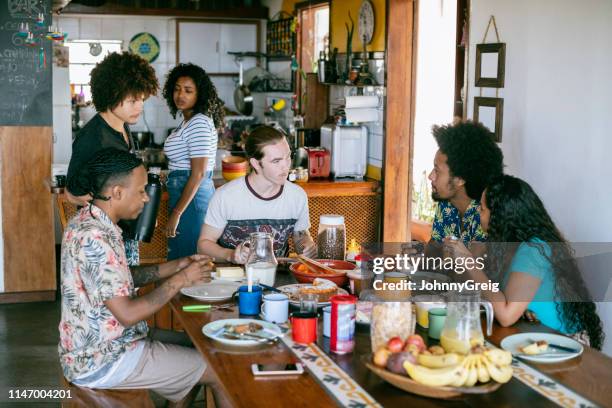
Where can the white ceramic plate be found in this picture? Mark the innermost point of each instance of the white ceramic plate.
(516, 341)
(292, 292)
(214, 330)
(215, 290)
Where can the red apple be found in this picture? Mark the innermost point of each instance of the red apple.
(417, 341)
(395, 344)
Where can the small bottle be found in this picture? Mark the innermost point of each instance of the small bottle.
(145, 225)
(352, 250)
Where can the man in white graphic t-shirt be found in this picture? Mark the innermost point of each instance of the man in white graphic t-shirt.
(262, 201)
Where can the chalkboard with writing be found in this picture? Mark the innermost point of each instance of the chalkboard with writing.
(25, 79)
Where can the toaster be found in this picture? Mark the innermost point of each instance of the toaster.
(349, 149)
(318, 162)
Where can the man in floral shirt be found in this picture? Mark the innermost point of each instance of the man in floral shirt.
(103, 335)
(466, 160)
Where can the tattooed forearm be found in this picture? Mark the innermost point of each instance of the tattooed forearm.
(162, 294)
(301, 239)
(143, 275)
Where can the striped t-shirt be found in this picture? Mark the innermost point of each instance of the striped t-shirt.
(195, 138)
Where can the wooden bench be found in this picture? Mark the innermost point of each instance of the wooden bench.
(87, 397)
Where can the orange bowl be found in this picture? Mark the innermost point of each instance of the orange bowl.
(234, 163)
(304, 275)
(231, 175)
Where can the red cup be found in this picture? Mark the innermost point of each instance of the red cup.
(304, 327)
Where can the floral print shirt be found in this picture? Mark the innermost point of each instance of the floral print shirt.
(448, 222)
(94, 269)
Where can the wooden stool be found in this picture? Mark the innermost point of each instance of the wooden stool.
(87, 397)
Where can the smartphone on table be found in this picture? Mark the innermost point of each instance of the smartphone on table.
(277, 369)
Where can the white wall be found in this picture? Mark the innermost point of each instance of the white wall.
(557, 108)
(124, 28)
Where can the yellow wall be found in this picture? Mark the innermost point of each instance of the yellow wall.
(339, 16)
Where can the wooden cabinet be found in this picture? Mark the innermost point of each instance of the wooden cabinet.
(207, 43)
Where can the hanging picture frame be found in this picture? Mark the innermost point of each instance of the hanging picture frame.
(489, 112)
(490, 65)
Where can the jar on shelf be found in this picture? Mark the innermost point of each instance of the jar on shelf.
(331, 238)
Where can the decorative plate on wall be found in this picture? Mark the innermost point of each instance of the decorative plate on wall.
(145, 45)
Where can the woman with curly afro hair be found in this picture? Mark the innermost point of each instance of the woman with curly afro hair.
(533, 263)
(120, 84)
(191, 150)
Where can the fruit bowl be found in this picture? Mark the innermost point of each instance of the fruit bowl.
(406, 383)
(304, 275)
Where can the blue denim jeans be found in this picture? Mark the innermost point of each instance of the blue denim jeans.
(188, 231)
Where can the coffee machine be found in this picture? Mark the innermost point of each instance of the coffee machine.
(349, 149)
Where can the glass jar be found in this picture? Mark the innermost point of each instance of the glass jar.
(390, 319)
(302, 175)
(331, 238)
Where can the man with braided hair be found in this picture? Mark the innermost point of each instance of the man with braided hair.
(103, 333)
(120, 84)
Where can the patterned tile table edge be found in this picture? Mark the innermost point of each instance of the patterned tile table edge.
(547, 386)
(339, 384)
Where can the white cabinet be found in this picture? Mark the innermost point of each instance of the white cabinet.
(207, 44)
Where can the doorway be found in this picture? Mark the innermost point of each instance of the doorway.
(439, 97)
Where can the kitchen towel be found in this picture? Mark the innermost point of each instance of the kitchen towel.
(358, 115)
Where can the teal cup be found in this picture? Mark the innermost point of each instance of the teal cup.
(437, 317)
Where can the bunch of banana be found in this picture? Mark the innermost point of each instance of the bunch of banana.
(455, 370)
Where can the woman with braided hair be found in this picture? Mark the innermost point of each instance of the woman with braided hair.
(191, 149)
(120, 84)
(104, 339)
(530, 258)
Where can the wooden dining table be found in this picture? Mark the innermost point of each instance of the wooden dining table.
(589, 375)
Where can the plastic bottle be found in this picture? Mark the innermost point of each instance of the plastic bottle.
(145, 225)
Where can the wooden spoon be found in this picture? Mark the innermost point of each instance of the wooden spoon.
(311, 262)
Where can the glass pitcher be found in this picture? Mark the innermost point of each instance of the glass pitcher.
(462, 329)
(261, 263)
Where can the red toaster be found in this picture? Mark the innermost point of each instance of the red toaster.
(319, 162)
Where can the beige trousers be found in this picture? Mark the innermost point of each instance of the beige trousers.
(167, 369)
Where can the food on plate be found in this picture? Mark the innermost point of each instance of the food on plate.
(244, 328)
(537, 347)
(481, 364)
(395, 344)
(395, 362)
(381, 356)
(323, 288)
(229, 272)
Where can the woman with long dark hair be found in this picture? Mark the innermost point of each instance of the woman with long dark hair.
(532, 261)
(191, 150)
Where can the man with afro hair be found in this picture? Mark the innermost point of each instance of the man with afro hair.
(120, 84)
(467, 159)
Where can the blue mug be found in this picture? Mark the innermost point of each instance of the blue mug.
(249, 302)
